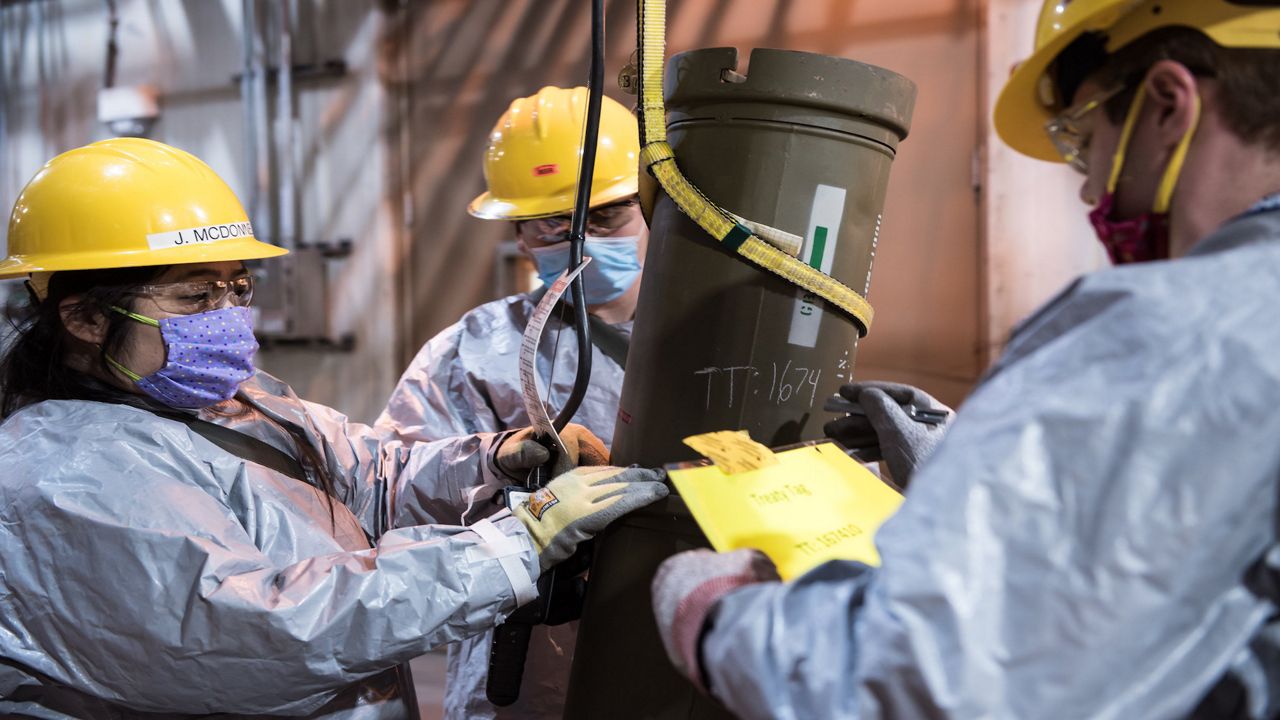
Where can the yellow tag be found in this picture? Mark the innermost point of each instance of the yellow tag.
(811, 505)
(732, 451)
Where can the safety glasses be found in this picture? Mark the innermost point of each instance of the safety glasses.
(602, 221)
(1067, 134)
(189, 298)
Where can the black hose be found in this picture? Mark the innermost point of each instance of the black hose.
(581, 207)
(113, 47)
(559, 594)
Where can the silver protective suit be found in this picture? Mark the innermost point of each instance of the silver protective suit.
(145, 570)
(1083, 542)
(466, 380)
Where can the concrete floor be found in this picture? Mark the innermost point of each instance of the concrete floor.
(428, 679)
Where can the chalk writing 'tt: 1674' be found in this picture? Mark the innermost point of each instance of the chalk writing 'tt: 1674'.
(735, 384)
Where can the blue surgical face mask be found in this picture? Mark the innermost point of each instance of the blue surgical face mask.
(614, 266)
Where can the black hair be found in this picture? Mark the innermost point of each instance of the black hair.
(1076, 63)
(34, 367)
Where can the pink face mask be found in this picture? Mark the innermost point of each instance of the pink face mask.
(1139, 239)
(1145, 237)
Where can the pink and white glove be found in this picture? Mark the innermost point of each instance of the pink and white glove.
(685, 589)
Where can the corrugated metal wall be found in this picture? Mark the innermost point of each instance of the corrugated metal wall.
(53, 58)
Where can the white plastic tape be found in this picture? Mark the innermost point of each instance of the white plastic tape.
(512, 564)
(199, 235)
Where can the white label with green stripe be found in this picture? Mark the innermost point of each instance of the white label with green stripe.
(820, 253)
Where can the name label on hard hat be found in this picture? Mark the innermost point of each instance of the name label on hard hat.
(199, 235)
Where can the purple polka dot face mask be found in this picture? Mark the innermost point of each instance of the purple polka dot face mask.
(207, 356)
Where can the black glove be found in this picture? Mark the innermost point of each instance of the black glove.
(887, 431)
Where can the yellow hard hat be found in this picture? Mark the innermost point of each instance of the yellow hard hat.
(1029, 99)
(127, 202)
(531, 165)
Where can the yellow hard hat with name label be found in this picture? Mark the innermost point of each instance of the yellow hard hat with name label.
(1029, 99)
(531, 164)
(127, 202)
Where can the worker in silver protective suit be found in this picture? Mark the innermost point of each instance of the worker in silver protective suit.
(182, 535)
(466, 379)
(1096, 534)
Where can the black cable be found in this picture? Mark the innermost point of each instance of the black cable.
(581, 208)
(113, 47)
(560, 591)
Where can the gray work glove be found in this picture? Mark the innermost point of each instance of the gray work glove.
(519, 452)
(687, 587)
(902, 442)
(577, 505)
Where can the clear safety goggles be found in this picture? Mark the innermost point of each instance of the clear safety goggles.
(603, 221)
(189, 298)
(1067, 135)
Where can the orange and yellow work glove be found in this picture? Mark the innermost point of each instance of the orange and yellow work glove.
(520, 452)
(582, 502)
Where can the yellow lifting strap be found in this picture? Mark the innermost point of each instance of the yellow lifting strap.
(657, 156)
